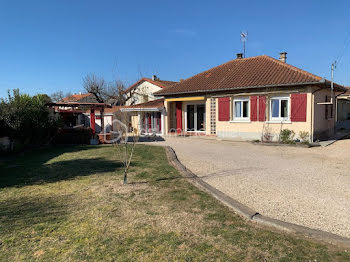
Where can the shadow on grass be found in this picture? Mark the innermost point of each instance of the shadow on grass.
(34, 170)
(36, 213)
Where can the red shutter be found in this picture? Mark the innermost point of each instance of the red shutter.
(262, 108)
(298, 109)
(179, 117)
(92, 121)
(224, 109)
(253, 108)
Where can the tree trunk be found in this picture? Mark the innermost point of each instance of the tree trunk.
(125, 177)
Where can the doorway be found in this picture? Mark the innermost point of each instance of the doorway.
(195, 118)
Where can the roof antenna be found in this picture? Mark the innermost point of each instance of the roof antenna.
(244, 38)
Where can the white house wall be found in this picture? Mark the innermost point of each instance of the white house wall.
(145, 88)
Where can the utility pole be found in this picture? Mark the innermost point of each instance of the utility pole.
(333, 99)
(333, 67)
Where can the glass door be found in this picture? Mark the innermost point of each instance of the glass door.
(190, 118)
(200, 118)
(195, 117)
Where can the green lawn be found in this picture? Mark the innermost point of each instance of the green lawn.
(68, 204)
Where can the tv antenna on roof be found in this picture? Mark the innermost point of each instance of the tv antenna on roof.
(244, 38)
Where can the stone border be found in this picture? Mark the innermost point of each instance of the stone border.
(251, 215)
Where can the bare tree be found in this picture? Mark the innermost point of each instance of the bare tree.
(116, 93)
(58, 96)
(126, 143)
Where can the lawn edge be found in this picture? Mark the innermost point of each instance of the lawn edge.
(249, 214)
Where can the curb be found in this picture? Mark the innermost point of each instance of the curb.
(251, 215)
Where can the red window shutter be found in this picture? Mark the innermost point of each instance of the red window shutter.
(224, 109)
(298, 110)
(262, 108)
(253, 108)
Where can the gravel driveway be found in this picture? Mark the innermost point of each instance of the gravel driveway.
(306, 186)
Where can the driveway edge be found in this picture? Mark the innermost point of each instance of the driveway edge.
(251, 215)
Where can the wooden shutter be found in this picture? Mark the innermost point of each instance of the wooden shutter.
(253, 108)
(298, 107)
(262, 108)
(179, 117)
(224, 109)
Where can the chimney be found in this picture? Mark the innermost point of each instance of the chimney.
(283, 57)
(239, 56)
(154, 78)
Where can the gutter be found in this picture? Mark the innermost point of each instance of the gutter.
(141, 109)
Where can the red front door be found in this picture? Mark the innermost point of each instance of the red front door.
(178, 117)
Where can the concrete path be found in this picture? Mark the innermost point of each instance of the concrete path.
(306, 186)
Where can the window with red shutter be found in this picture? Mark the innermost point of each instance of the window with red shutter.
(299, 106)
(224, 109)
(253, 108)
(262, 108)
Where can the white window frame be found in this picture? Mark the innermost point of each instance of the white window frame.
(241, 118)
(279, 118)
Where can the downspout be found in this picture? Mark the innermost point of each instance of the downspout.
(312, 113)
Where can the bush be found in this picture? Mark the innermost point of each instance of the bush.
(287, 136)
(304, 137)
(27, 119)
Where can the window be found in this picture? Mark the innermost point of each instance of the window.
(279, 108)
(241, 109)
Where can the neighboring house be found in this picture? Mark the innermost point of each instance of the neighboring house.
(145, 112)
(251, 99)
(146, 118)
(343, 110)
(142, 91)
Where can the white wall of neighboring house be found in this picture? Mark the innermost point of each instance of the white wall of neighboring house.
(143, 93)
(108, 121)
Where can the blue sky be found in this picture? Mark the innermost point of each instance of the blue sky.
(47, 46)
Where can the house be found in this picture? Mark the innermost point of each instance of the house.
(145, 111)
(251, 99)
(142, 91)
(343, 110)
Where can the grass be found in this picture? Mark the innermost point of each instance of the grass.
(69, 204)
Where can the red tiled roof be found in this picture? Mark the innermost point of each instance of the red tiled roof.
(160, 83)
(75, 97)
(348, 90)
(253, 72)
(150, 104)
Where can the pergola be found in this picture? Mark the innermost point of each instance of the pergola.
(82, 105)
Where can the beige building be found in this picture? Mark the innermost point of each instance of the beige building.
(252, 99)
(145, 111)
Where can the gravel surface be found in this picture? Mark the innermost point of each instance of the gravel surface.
(306, 186)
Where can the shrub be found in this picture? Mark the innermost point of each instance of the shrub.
(27, 119)
(304, 137)
(287, 136)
